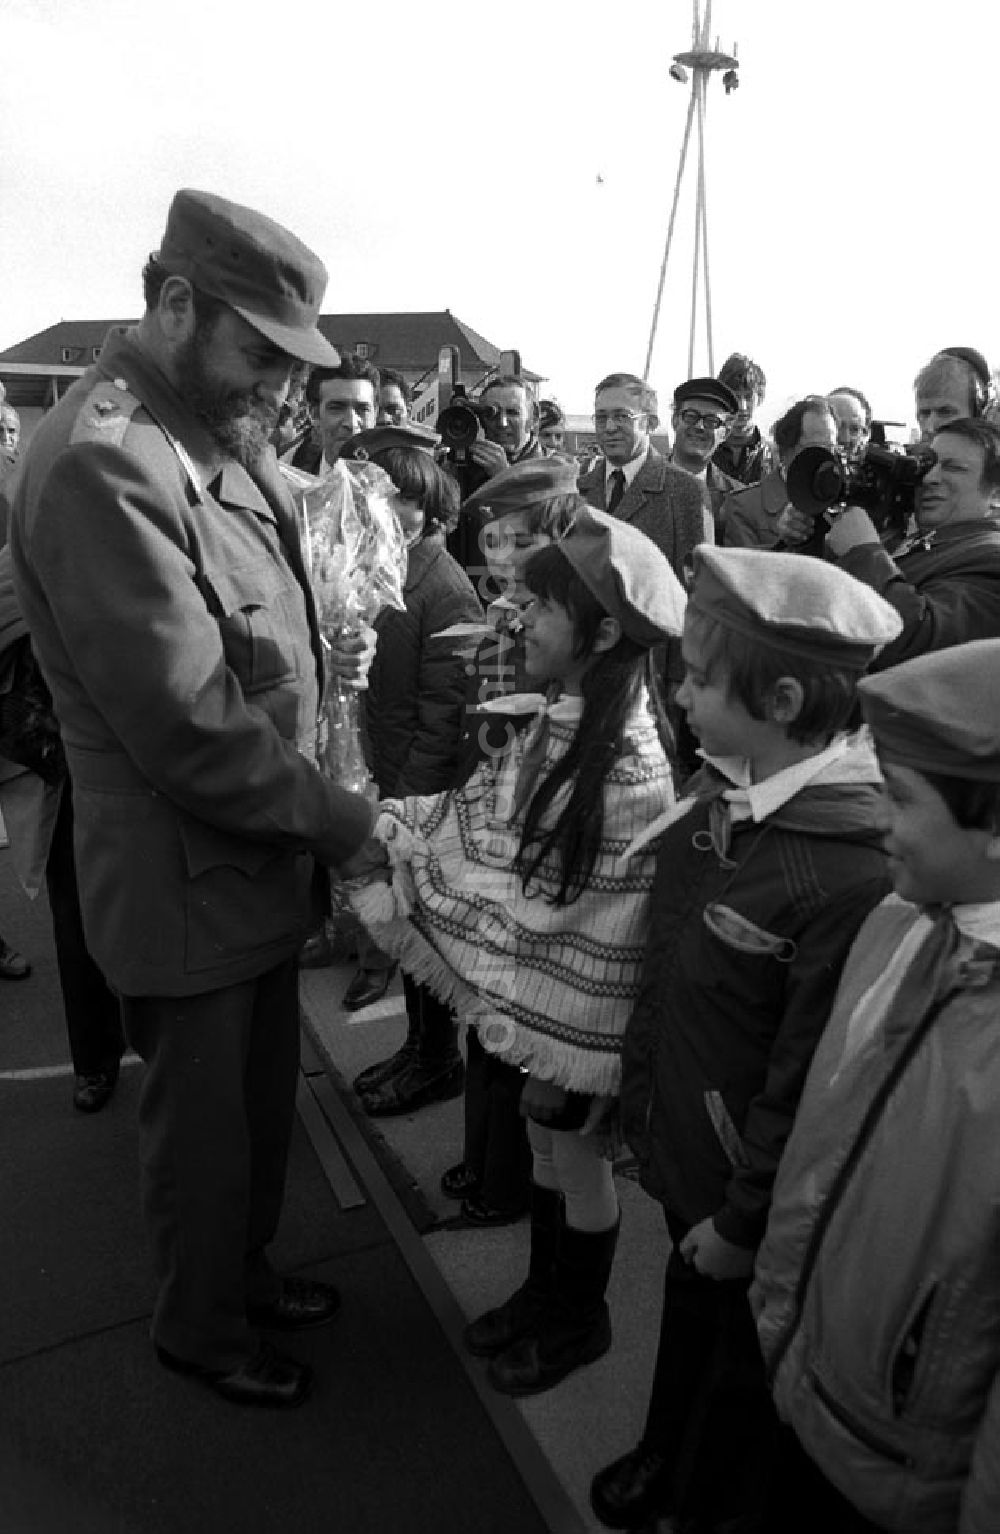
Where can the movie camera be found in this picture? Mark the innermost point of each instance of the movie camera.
(463, 422)
(884, 481)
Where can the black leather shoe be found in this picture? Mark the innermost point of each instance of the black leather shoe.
(460, 1181)
(417, 1085)
(374, 1075)
(367, 987)
(475, 1211)
(266, 1379)
(302, 1303)
(13, 965)
(93, 1092)
(630, 1492)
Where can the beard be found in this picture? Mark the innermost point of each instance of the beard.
(237, 420)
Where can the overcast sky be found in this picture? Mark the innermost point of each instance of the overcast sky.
(516, 164)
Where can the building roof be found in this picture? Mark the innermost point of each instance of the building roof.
(409, 341)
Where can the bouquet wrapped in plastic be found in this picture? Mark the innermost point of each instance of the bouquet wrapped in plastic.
(356, 558)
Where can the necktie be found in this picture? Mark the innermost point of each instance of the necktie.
(617, 491)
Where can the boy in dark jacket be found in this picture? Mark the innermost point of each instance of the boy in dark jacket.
(765, 870)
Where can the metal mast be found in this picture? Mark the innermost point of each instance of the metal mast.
(701, 61)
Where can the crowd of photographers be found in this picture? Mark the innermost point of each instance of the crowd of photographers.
(916, 524)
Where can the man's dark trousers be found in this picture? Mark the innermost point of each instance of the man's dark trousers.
(215, 1121)
(93, 1012)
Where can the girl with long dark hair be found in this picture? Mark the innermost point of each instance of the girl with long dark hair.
(511, 897)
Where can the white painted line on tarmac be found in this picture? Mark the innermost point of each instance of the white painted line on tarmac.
(47, 1072)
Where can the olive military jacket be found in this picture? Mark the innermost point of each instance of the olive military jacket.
(168, 606)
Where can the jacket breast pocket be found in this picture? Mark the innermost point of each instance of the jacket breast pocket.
(256, 607)
(746, 937)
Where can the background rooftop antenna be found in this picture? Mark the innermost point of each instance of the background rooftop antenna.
(701, 61)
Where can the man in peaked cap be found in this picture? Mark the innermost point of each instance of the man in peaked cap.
(157, 561)
(703, 411)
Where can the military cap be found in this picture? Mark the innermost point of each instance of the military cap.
(525, 484)
(627, 573)
(365, 444)
(707, 388)
(793, 603)
(549, 414)
(254, 265)
(940, 713)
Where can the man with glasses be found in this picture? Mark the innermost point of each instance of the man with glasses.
(635, 482)
(703, 411)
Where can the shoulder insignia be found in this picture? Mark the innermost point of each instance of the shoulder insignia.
(106, 413)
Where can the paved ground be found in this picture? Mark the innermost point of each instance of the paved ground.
(404, 1430)
(597, 1413)
(96, 1438)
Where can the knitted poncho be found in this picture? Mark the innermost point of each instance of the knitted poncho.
(549, 987)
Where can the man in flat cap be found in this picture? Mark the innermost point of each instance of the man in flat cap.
(635, 482)
(703, 411)
(157, 561)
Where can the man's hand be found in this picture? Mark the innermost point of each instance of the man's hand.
(794, 526)
(349, 658)
(713, 1256)
(370, 862)
(853, 527)
(488, 455)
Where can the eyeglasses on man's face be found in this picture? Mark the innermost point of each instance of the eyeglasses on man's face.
(604, 418)
(695, 417)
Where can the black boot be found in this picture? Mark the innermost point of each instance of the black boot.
(515, 1318)
(383, 1070)
(575, 1328)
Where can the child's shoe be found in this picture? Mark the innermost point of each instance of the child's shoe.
(574, 1328)
(516, 1317)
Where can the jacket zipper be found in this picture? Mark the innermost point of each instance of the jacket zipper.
(843, 1177)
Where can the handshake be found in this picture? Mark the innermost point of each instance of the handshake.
(369, 865)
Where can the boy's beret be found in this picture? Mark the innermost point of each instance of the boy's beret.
(940, 713)
(525, 484)
(364, 443)
(794, 603)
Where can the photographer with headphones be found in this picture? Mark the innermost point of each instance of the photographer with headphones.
(954, 384)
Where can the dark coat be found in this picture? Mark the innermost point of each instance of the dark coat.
(168, 606)
(663, 502)
(416, 685)
(946, 587)
(743, 958)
